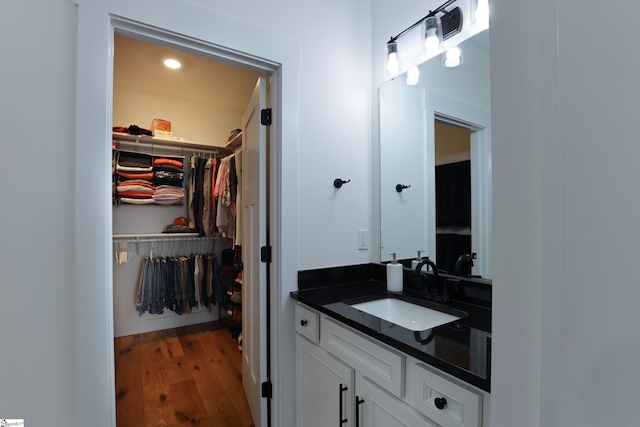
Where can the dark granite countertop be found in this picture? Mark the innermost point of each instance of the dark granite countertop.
(461, 348)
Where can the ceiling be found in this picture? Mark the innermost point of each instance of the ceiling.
(138, 66)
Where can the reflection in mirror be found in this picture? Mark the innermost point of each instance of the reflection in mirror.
(453, 197)
(435, 141)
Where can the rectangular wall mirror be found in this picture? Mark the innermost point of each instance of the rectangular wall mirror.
(435, 162)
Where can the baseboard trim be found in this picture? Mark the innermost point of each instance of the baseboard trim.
(167, 321)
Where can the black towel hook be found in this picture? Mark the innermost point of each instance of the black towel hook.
(338, 182)
(401, 187)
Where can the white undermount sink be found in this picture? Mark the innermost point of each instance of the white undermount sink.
(402, 313)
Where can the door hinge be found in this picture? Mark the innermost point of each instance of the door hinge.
(265, 116)
(265, 254)
(267, 389)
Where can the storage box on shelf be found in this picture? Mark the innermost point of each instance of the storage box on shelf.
(161, 128)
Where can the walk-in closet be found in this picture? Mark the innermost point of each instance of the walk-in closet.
(177, 238)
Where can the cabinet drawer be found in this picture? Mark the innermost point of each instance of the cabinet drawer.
(462, 407)
(379, 364)
(308, 323)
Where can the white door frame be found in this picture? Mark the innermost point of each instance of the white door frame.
(224, 39)
(478, 121)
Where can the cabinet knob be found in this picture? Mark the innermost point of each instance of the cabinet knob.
(303, 322)
(440, 402)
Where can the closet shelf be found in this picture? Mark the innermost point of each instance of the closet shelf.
(235, 142)
(163, 236)
(170, 143)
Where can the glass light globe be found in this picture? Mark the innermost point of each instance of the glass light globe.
(452, 57)
(413, 76)
(432, 34)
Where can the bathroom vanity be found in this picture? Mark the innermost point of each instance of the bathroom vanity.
(356, 369)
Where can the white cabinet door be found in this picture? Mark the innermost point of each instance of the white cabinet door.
(325, 388)
(376, 408)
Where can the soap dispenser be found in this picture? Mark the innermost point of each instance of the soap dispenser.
(394, 275)
(415, 262)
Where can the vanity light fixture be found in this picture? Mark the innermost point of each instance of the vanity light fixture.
(452, 57)
(439, 24)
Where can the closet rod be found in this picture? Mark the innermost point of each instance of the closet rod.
(163, 237)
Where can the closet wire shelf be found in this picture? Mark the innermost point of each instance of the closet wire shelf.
(147, 143)
(153, 242)
(158, 237)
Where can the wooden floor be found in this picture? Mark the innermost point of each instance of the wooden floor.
(178, 377)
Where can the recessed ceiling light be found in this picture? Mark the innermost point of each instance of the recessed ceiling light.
(174, 64)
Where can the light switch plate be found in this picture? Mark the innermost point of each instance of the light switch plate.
(363, 239)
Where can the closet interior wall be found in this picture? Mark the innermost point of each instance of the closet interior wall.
(143, 225)
(196, 121)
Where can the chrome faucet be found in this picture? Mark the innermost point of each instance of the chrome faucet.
(418, 273)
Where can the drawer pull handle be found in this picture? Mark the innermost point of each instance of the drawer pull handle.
(440, 402)
(343, 388)
(358, 403)
(303, 322)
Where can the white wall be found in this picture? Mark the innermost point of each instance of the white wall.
(519, 194)
(565, 337)
(197, 123)
(37, 368)
(335, 126)
(598, 103)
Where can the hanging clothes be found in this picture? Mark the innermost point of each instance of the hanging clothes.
(179, 284)
(226, 190)
(195, 194)
(202, 194)
(238, 201)
(191, 191)
(209, 210)
(213, 191)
